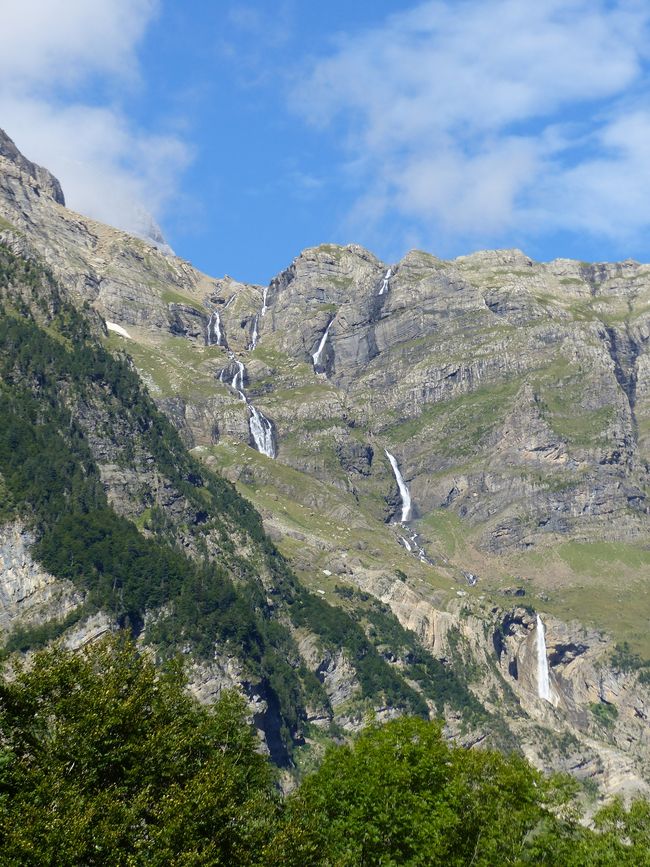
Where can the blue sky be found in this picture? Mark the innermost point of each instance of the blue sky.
(252, 130)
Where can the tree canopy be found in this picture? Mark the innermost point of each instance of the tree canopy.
(106, 759)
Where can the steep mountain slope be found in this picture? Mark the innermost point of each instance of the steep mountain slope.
(512, 397)
(102, 494)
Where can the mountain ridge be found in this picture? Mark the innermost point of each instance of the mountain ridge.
(469, 373)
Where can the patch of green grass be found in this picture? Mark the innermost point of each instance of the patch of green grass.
(177, 368)
(460, 424)
(171, 297)
(142, 521)
(300, 393)
(605, 585)
(273, 358)
(447, 530)
(554, 480)
(601, 558)
(606, 714)
(334, 250)
(6, 225)
(564, 388)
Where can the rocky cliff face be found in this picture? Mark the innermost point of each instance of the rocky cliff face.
(515, 399)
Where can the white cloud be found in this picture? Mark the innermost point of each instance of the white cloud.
(52, 42)
(471, 119)
(50, 51)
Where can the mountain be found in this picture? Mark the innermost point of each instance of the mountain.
(447, 464)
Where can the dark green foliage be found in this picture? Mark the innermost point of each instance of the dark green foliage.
(18, 271)
(624, 659)
(402, 795)
(32, 637)
(49, 476)
(104, 760)
(338, 630)
(606, 714)
(437, 680)
(384, 634)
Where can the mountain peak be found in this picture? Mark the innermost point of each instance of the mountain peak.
(44, 178)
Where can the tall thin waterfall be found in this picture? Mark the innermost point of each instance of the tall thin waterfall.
(262, 432)
(265, 295)
(403, 490)
(261, 429)
(238, 379)
(385, 281)
(215, 333)
(256, 333)
(316, 356)
(543, 682)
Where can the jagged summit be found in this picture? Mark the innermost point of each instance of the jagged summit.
(141, 222)
(43, 177)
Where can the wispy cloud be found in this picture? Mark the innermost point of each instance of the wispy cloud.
(51, 53)
(474, 119)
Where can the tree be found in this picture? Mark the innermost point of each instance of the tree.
(105, 760)
(402, 795)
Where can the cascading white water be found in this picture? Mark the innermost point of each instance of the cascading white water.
(403, 490)
(543, 682)
(260, 427)
(262, 432)
(256, 334)
(264, 297)
(229, 302)
(238, 379)
(215, 333)
(316, 356)
(384, 285)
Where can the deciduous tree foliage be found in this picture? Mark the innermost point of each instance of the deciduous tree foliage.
(106, 760)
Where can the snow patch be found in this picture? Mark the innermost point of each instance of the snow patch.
(112, 326)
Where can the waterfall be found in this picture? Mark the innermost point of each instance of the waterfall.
(543, 682)
(264, 297)
(229, 302)
(215, 333)
(238, 379)
(316, 356)
(403, 490)
(261, 429)
(255, 335)
(262, 432)
(384, 284)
